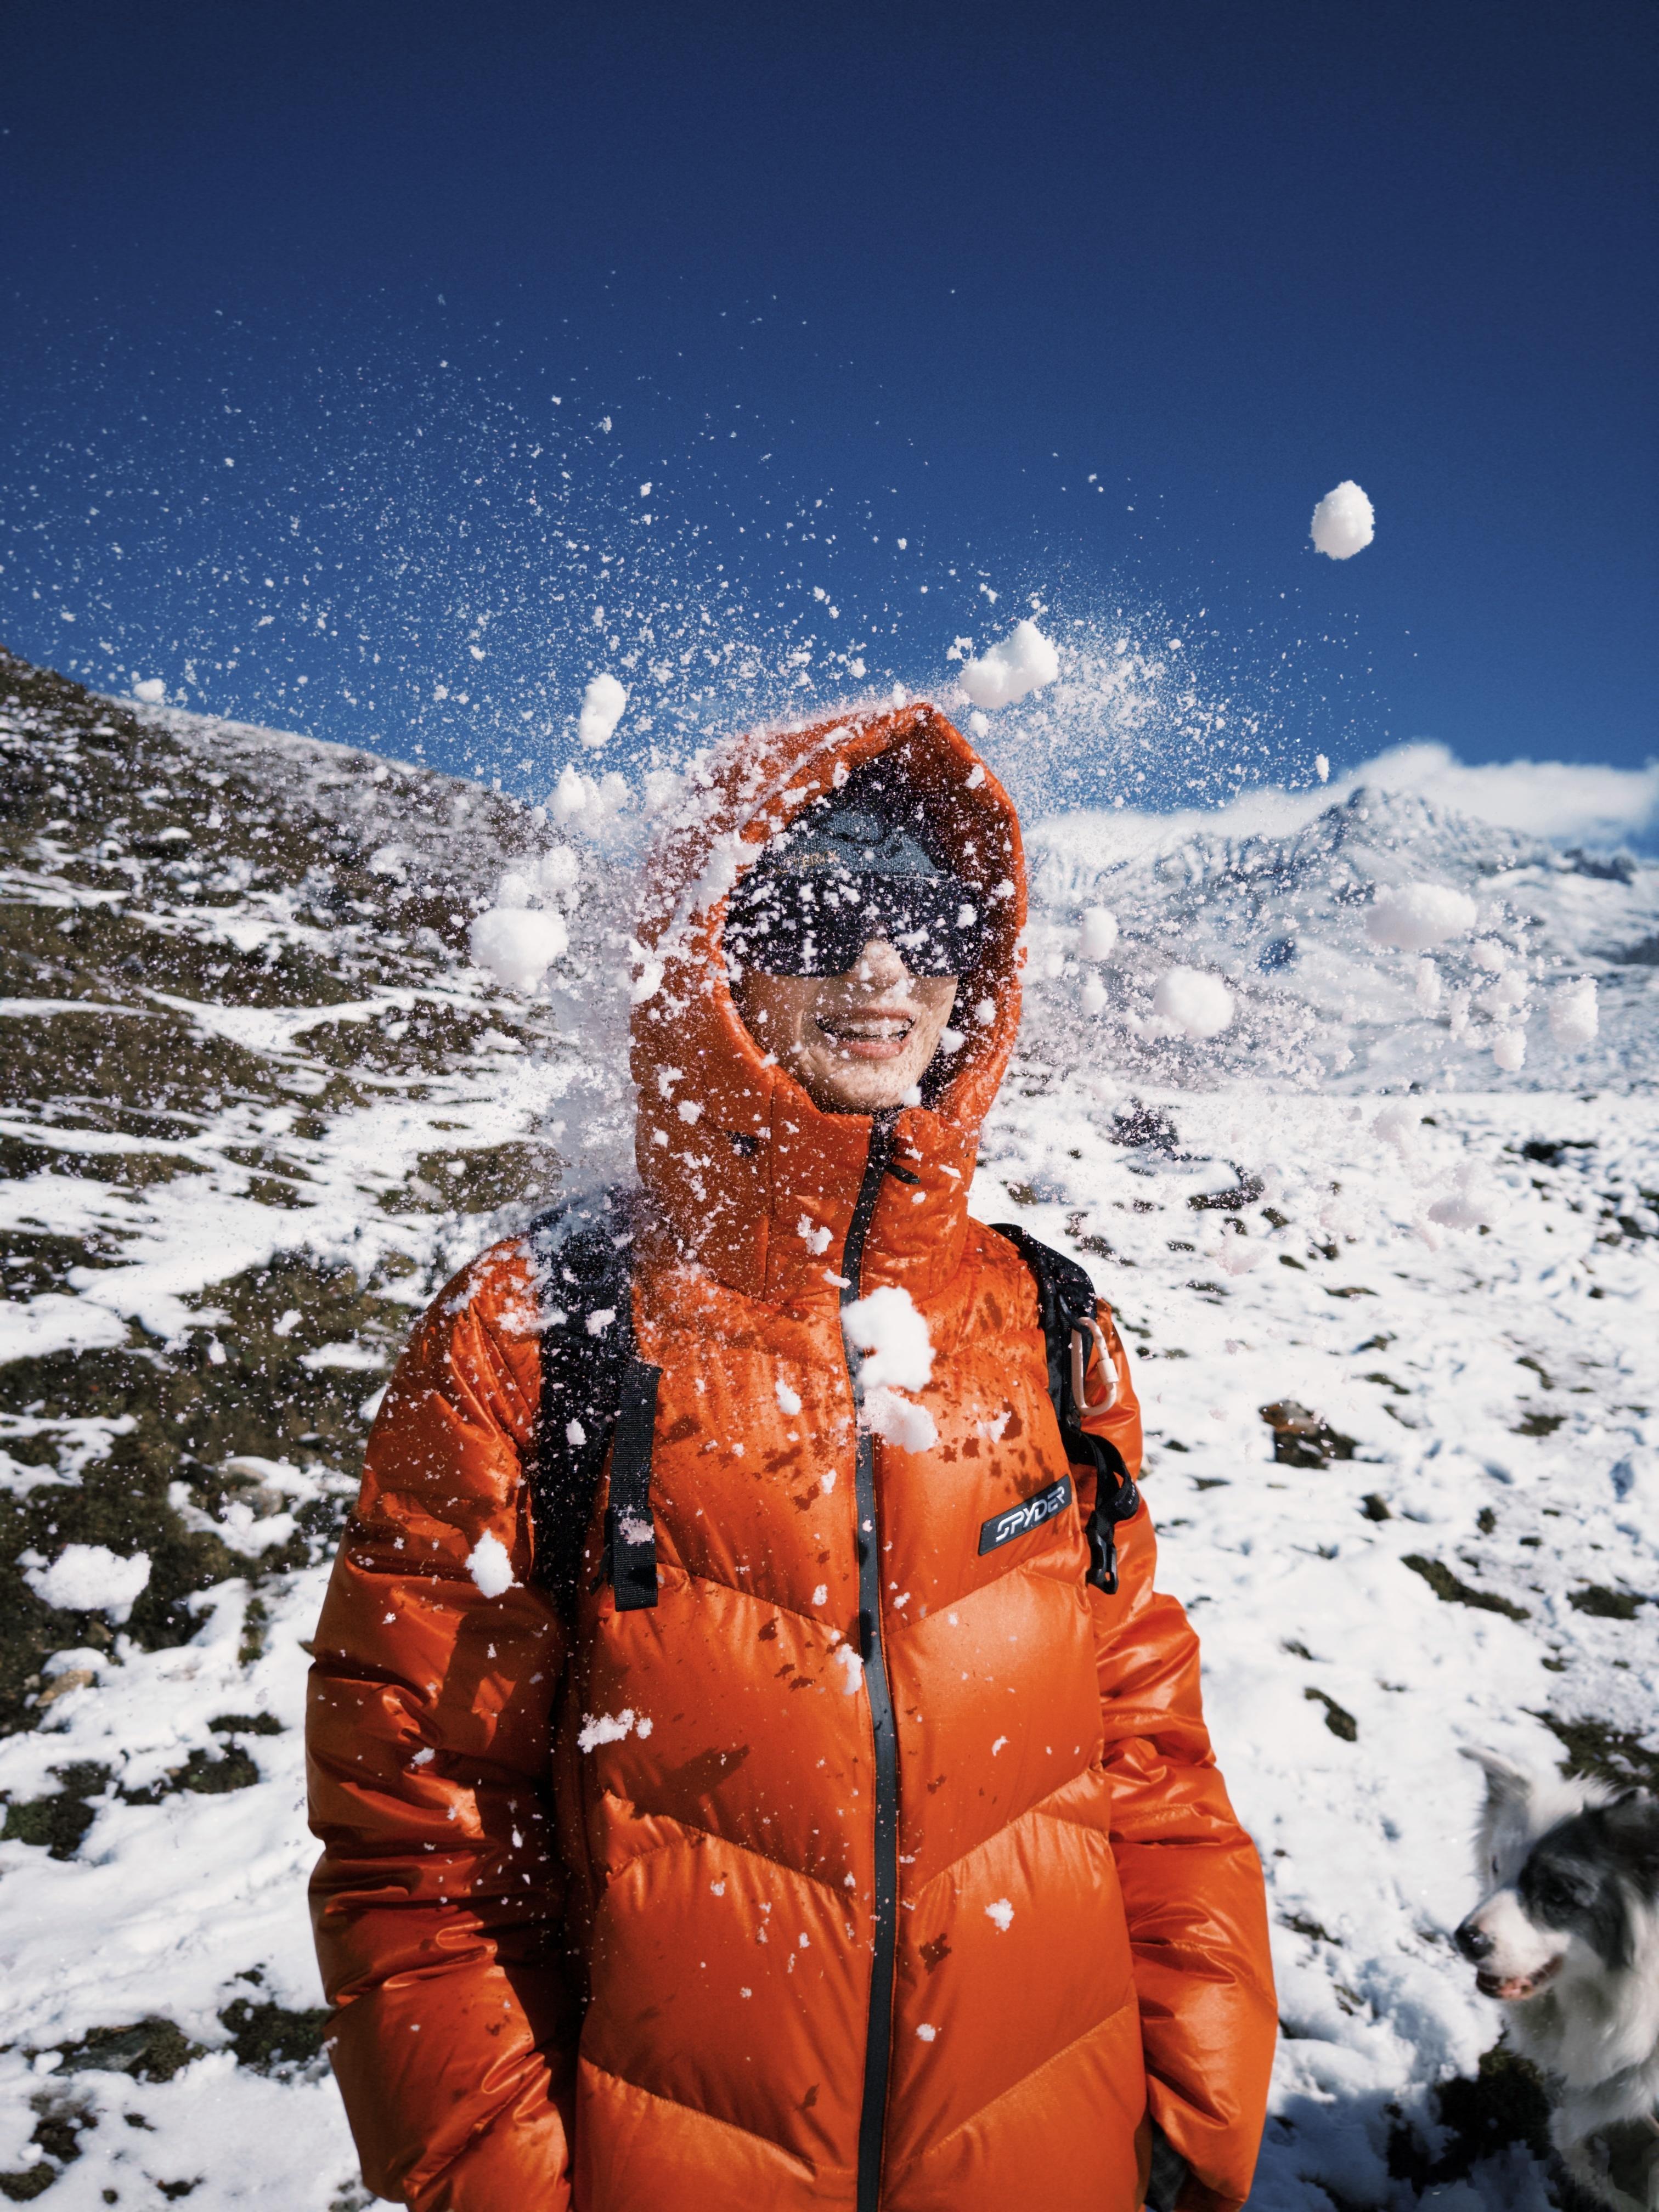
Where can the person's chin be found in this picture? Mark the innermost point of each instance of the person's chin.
(868, 1090)
(874, 1093)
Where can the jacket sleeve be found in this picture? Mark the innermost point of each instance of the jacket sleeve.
(1192, 1882)
(437, 1902)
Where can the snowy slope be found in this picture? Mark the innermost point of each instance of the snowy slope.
(257, 1104)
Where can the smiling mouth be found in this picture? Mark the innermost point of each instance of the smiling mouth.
(868, 1037)
(1514, 1989)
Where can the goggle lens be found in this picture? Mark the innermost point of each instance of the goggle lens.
(789, 925)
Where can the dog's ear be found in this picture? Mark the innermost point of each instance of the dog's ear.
(1506, 1783)
(1632, 1821)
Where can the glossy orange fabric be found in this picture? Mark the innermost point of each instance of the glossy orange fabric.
(596, 1909)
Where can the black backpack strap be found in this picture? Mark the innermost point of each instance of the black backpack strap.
(1066, 1303)
(582, 1253)
(631, 1532)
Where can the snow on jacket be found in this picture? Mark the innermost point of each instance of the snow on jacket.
(733, 1900)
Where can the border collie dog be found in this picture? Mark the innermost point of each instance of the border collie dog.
(1566, 1938)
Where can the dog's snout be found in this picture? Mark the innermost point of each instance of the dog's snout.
(1474, 1942)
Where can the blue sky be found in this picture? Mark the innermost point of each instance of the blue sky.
(1085, 306)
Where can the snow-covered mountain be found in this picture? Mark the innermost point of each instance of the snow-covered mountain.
(1398, 1354)
(1286, 917)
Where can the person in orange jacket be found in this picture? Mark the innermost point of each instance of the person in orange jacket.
(821, 1812)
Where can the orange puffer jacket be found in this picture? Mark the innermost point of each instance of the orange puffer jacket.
(876, 1865)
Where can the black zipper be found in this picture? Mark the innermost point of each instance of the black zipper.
(879, 2035)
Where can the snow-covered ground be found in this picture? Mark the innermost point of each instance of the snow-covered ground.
(1392, 1303)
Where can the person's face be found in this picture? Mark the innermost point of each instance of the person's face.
(856, 1042)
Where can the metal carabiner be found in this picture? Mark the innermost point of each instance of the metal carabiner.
(1079, 1367)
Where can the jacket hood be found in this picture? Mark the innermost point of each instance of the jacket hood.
(739, 1165)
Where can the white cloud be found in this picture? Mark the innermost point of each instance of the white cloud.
(1566, 801)
(1558, 802)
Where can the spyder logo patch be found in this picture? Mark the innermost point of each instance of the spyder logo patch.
(1030, 1513)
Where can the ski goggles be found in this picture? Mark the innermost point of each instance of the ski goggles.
(785, 923)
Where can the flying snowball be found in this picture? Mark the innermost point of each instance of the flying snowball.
(1573, 1018)
(517, 945)
(1344, 522)
(556, 871)
(1097, 932)
(1413, 916)
(578, 801)
(1473, 1202)
(150, 690)
(1025, 661)
(491, 1566)
(1399, 1124)
(1198, 1005)
(1510, 1051)
(603, 704)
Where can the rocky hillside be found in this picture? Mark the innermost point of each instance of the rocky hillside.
(230, 995)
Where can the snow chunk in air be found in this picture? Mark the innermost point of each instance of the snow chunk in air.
(1097, 932)
(1195, 1005)
(1412, 917)
(604, 703)
(1002, 1913)
(1344, 522)
(517, 945)
(1573, 1017)
(1474, 1201)
(489, 1566)
(1025, 661)
(91, 1578)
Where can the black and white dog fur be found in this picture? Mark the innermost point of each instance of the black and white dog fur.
(1566, 1938)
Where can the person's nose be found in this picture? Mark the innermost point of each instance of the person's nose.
(881, 964)
(1474, 1942)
